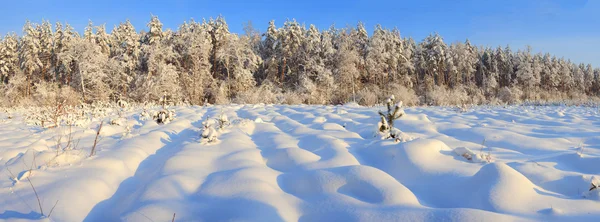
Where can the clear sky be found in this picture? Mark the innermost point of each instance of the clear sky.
(569, 28)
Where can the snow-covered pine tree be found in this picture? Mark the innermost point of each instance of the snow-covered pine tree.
(386, 125)
(45, 52)
(103, 39)
(377, 57)
(126, 50)
(451, 60)
(242, 62)
(157, 74)
(8, 57)
(490, 69)
(578, 78)
(268, 46)
(588, 76)
(193, 50)
(407, 67)
(467, 63)
(290, 39)
(88, 32)
(315, 78)
(566, 72)
(89, 76)
(525, 75)
(434, 51)
(346, 74)
(155, 32)
(596, 84)
(29, 49)
(537, 67)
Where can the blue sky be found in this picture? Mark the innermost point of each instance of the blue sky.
(569, 28)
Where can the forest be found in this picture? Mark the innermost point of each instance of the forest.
(203, 62)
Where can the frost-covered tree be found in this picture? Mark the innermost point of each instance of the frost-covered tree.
(88, 32)
(268, 47)
(596, 84)
(8, 57)
(220, 39)
(103, 39)
(489, 71)
(377, 56)
(290, 39)
(156, 69)
(566, 72)
(526, 77)
(155, 32)
(126, 50)
(316, 78)
(588, 76)
(465, 59)
(346, 74)
(433, 50)
(578, 77)
(89, 75)
(29, 50)
(63, 40)
(45, 52)
(360, 38)
(240, 61)
(451, 60)
(193, 48)
(407, 67)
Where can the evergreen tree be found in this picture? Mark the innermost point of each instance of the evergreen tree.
(29, 50)
(8, 57)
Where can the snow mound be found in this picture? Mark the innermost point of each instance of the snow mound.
(288, 158)
(411, 162)
(364, 184)
(333, 126)
(498, 187)
(319, 119)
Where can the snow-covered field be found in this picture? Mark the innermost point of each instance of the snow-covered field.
(308, 163)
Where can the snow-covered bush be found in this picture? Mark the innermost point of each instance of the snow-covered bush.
(262, 94)
(469, 155)
(122, 103)
(510, 95)
(444, 97)
(164, 116)
(144, 115)
(404, 94)
(367, 96)
(290, 98)
(209, 133)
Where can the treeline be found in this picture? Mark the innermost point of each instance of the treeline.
(203, 62)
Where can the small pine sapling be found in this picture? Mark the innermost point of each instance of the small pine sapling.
(594, 191)
(594, 185)
(386, 124)
(165, 115)
(144, 115)
(581, 149)
(223, 121)
(208, 131)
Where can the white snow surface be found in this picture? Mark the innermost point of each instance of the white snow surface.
(309, 163)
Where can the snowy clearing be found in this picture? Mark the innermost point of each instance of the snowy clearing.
(306, 163)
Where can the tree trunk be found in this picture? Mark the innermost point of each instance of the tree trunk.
(283, 72)
(353, 90)
(83, 87)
